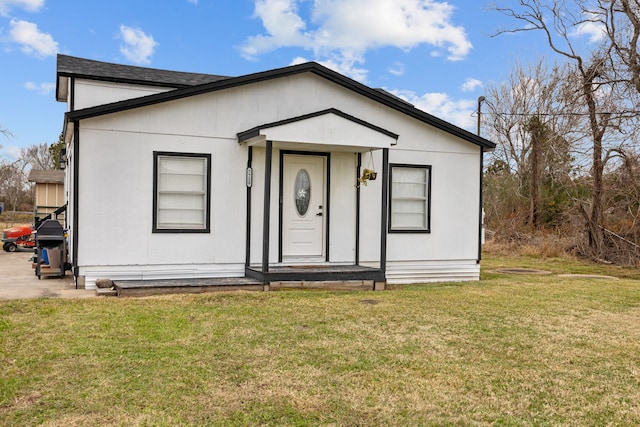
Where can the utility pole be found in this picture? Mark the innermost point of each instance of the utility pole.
(480, 101)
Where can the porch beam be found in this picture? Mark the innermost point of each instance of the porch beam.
(358, 172)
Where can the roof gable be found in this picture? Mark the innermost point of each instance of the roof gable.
(70, 66)
(320, 128)
(310, 67)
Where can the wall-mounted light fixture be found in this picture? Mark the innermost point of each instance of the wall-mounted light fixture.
(63, 159)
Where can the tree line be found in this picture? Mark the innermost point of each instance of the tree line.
(16, 192)
(567, 162)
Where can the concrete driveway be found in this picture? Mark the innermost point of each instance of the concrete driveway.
(18, 280)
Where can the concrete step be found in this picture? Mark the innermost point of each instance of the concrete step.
(106, 292)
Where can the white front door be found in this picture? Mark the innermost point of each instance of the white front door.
(303, 201)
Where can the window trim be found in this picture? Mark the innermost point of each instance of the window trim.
(156, 157)
(425, 230)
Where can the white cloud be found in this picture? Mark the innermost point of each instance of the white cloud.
(283, 24)
(193, 1)
(342, 31)
(346, 66)
(138, 47)
(28, 5)
(32, 40)
(471, 84)
(397, 69)
(593, 30)
(42, 88)
(459, 112)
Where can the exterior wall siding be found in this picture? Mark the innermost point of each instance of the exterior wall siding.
(411, 272)
(116, 188)
(89, 93)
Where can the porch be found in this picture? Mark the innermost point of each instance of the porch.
(293, 241)
(327, 277)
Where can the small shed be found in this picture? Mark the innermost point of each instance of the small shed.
(49, 191)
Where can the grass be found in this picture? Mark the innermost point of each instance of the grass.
(510, 350)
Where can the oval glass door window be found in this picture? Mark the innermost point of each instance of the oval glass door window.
(302, 192)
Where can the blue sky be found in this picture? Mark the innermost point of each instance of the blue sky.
(438, 55)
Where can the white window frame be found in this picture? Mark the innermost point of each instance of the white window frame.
(200, 192)
(417, 193)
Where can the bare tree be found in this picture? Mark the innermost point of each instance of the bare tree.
(5, 132)
(559, 21)
(531, 118)
(37, 156)
(530, 90)
(15, 190)
(620, 20)
(13, 184)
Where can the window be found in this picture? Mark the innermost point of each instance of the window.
(181, 187)
(410, 199)
(302, 192)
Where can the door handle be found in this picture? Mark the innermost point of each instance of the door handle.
(319, 214)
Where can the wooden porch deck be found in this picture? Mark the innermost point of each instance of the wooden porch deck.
(184, 286)
(341, 277)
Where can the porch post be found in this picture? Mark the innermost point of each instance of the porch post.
(481, 221)
(267, 206)
(358, 209)
(248, 225)
(385, 210)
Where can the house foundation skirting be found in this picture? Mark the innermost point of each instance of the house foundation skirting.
(435, 271)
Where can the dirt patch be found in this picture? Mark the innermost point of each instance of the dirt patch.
(520, 271)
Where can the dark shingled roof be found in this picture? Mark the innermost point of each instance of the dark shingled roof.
(46, 176)
(70, 66)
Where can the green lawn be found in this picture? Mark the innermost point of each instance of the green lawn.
(509, 350)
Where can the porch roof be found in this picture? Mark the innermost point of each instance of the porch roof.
(332, 129)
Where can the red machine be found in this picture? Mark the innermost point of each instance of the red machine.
(20, 236)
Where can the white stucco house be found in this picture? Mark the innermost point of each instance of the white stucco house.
(183, 175)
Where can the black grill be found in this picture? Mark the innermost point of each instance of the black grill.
(50, 234)
(51, 249)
